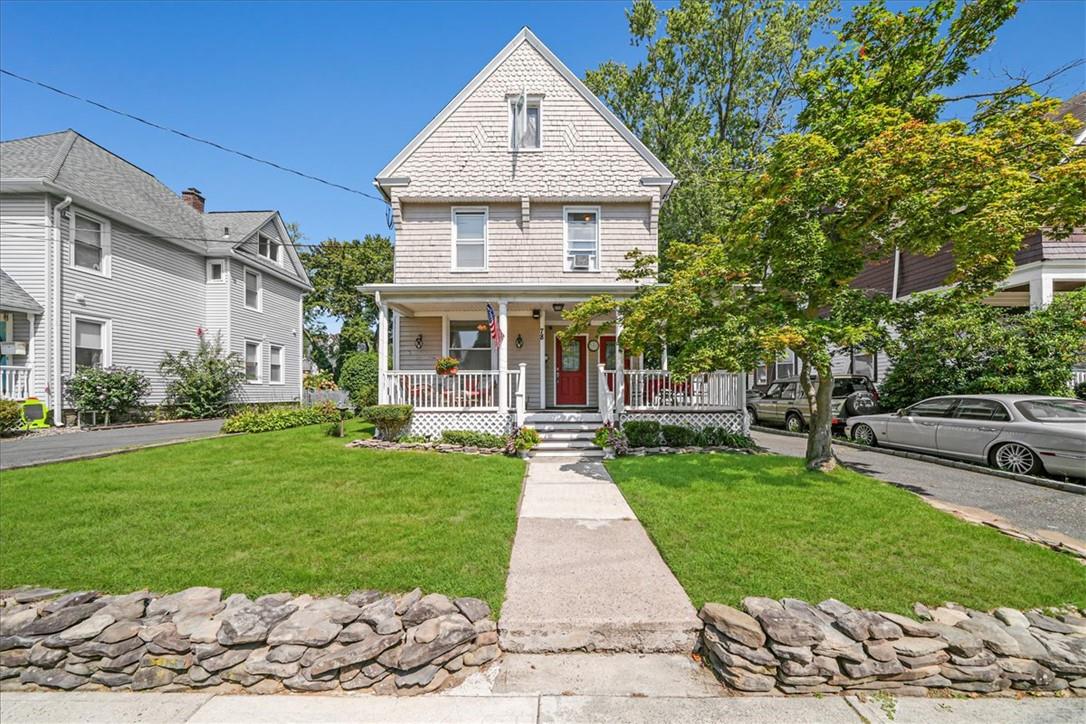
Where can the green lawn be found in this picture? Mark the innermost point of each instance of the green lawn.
(732, 526)
(291, 510)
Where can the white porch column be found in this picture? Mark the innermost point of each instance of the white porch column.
(503, 358)
(663, 357)
(542, 358)
(32, 323)
(382, 353)
(395, 340)
(620, 367)
(1040, 291)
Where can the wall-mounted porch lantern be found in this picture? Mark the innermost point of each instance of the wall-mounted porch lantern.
(418, 342)
(558, 307)
(535, 314)
(519, 342)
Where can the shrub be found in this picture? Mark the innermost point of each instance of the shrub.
(523, 439)
(106, 389)
(611, 436)
(266, 419)
(11, 415)
(390, 420)
(642, 433)
(679, 435)
(470, 438)
(202, 384)
(447, 365)
(359, 377)
(1080, 390)
(319, 381)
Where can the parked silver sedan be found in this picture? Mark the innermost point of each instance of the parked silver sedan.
(1017, 433)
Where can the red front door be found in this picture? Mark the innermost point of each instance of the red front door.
(608, 345)
(572, 372)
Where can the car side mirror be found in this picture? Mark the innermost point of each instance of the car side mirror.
(900, 413)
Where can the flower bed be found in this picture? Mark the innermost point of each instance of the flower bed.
(442, 447)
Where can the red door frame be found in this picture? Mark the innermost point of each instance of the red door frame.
(582, 342)
(604, 339)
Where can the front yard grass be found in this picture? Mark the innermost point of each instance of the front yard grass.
(731, 526)
(280, 511)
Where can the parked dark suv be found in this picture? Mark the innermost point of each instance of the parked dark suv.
(784, 404)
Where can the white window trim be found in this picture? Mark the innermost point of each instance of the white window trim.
(567, 262)
(259, 289)
(221, 279)
(486, 238)
(107, 338)
(273, 243)
(533, 99)
(259, 361)
(282, 364)
(107, 256)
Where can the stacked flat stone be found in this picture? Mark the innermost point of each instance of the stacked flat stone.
(195, 639)
(442, 447)
(792, 647)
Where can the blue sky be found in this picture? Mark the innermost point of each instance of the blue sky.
(334, 89)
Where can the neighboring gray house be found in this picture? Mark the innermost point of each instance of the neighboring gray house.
(102, 264)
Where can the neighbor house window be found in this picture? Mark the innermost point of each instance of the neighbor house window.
(469, 342)
(268, 247)
(275, 365)
(252, 362)
(786, 366)
(89, 343)
(88, 243)
(216, 270)
(252, 290)
(582, 239)
(469, 239)
(524, 124)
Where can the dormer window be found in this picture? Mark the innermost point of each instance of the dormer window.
(524, 123)
(268, 248)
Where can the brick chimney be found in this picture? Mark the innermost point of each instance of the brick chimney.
(192, 197)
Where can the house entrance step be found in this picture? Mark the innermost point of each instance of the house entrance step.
(559, 416)
(592, 452)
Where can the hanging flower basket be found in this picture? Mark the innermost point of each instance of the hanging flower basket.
(446, 366)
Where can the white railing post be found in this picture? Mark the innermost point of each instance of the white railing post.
(503, 357)
(522, 393)
(601, 400)
(620, 369)
(382, 353)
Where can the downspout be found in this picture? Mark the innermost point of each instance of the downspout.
(56, 397)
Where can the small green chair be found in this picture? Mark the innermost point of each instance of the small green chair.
(34, 413)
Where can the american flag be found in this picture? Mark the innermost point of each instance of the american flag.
(495, 330)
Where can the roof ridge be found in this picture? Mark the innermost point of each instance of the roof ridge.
(65, 148)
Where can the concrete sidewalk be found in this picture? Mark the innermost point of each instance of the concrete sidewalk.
(584, 575)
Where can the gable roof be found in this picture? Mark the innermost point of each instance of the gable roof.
(15, 298)
(524, 36)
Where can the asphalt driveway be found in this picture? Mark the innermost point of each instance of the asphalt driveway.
(1031, 507)
(18, 452)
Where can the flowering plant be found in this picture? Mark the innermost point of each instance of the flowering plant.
(106, 389)
(447, 365)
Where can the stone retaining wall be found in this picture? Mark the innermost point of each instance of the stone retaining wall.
(792, 647)
(195, 640)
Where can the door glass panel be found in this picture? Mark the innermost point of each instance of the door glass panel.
(609, 354)
(932, 408)
(571, 357)
(980, 410)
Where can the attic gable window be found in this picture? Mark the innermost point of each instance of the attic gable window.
(268, 248)
(525, 114)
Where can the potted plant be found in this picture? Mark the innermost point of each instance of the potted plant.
(446, 366)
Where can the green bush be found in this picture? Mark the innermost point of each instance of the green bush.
(390, 420)
(642, 433)
(10, 415)
(359, 377)
(202, 384)
(106, 389)
(679, 435)
(611, 436)
(319, 381)
(525, 438)
(470, 438)
(266, 419)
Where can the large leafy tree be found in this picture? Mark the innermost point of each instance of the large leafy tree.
(336, 269)
(869, 170)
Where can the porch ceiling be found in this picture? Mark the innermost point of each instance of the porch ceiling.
(428, 299)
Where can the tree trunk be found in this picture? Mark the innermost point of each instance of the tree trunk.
(820, 425)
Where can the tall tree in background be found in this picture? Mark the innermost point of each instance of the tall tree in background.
(336, 269)
(870, 170)
(716, 88)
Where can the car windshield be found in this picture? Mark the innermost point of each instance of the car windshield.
(1054, 410)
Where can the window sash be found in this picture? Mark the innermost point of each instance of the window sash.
(268, 247)
(252, 362)
(89, 343)
(252, 290)
(275, 364)
(469, 239)
(532, 136)
(215, 271)
(471, 345)
(87, 243)
(583, 235)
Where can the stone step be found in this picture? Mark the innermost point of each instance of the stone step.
(589, 427)
(567, 434)
(577, 416)
(565, 444)
(594, 453)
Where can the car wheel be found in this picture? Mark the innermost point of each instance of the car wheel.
(793, 422)
(864, 435)
(752, 415)
(1014, 457)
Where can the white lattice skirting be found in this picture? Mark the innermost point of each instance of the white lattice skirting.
(432, 424)
(733, 420)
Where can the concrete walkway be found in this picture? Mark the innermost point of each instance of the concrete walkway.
(583, 575)
(19, 452)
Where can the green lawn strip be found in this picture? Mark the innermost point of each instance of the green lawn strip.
(292, 510)
(731, 526)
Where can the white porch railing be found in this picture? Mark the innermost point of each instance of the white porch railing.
(1078, 376)
(465, 390)
(606, 396)
(660, 390)
(518, 383)
(14, 382)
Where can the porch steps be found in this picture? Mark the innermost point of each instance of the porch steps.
(565, 433)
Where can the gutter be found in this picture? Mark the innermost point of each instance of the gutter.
(56, 251)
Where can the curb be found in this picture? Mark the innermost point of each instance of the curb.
(945, 462)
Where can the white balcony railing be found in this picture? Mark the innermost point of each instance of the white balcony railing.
(465, 390)
(660, 390)
(1078, 376)
(14, 382)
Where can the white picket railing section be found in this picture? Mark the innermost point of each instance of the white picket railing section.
(661, 390)
(14, 382)
(465, 390)
(1078, 376)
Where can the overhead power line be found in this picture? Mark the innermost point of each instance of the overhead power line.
(191, 137)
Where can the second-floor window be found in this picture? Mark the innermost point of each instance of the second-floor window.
(268, 247)
(524, 126)
(252, 290)
(469, 239)
(89, 245)
(582, 239)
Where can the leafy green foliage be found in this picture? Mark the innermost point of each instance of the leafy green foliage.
(470, 438)
(201, 385)
(447, 365)
(359, 377)
(642, 433)
(678, 435)
(266, 419)
(526, 438)
(946, 346)
(319, 381)
(390, 420)
(106, 389)
(10, 415)
(336, 269)
(611, 436)
(1080, 390)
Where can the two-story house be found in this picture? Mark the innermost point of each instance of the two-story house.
(102, 264)
(524, 193)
